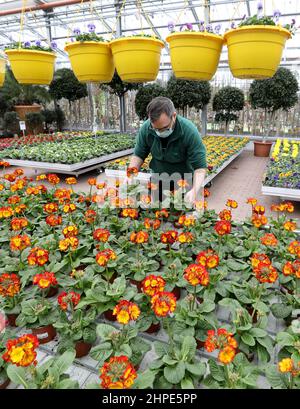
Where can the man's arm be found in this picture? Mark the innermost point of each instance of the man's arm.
(136, 162)
(194, 194)
(197, 157)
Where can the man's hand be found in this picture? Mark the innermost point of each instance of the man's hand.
(190, 198)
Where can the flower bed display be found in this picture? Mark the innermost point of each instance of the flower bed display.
(115, 258)
(283, 169)
(40, 138)
(72, 150)
(218, 149)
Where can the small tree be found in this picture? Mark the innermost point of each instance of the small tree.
(119, 88)
(185, 93)
(11, 122)
(227, 102)
(34, 121)
(66, 85)
(144, 95)
(272, 94)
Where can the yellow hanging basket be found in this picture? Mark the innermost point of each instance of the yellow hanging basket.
(91, 61)
(2, 71)
(137, 58)
(195, 56)
(254, 52)
(32, 66)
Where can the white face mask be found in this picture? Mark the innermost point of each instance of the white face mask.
(164, 134)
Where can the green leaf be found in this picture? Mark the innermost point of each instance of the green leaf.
(258, 332)
(101, 352)
(104, 330)
(263, 354)
(248, 339)
(124, 350)
(236, 265)
(241, 252)
(169, 361)
(197, 369)
(145, 380)
(188, 348)
(274, 377)
(161, 348)
(281, 311)
(17, 374)
(174, 374)
(62, 363)
(285, 339)
(68, 384)
(266, 342)
(187, 383)
(207, 306)
(215, 370)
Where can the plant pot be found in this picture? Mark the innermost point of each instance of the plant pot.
(32, 66)
(177, 292)
(52, 292)
(195, 56)
(153, 328)
(44, 334)
(285, 289)
(113, 277)
(2, 71)
(5, 384)
(200, 344)
(138, 284)
(82, 348)
(12, 319)
(22, 110)
(262, 149)
(137, 59)
(255, 317)
(109, 315)
(91, 61)
(254, 52)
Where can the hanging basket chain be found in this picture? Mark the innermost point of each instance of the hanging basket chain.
(117, 18)
(22, 17)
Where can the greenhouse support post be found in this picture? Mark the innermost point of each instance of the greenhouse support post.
(122, 103)
(204, 121)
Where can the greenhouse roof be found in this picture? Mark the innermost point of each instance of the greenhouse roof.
(29, 20)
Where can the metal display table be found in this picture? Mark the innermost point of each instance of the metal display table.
(145, 176)
(72, 169)
(282, 192)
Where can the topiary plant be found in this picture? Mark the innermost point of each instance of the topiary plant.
(144, 95)
(185, 93)
(272, 94)
(227, 102)
(34, 121)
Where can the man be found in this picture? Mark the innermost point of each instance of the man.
(174, 143)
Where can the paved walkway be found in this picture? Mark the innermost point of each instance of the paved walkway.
(242, 179)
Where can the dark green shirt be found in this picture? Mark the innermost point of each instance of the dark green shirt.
(184, 151)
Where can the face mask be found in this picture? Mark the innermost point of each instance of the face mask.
(164, 134)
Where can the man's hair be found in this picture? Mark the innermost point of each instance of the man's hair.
(158, 106)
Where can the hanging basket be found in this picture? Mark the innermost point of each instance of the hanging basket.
(195, 56)
(32, 66)
(254, 52)
(137, 58)
(2, 71)
(91, 61)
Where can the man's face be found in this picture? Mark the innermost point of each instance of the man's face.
(164, 122)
